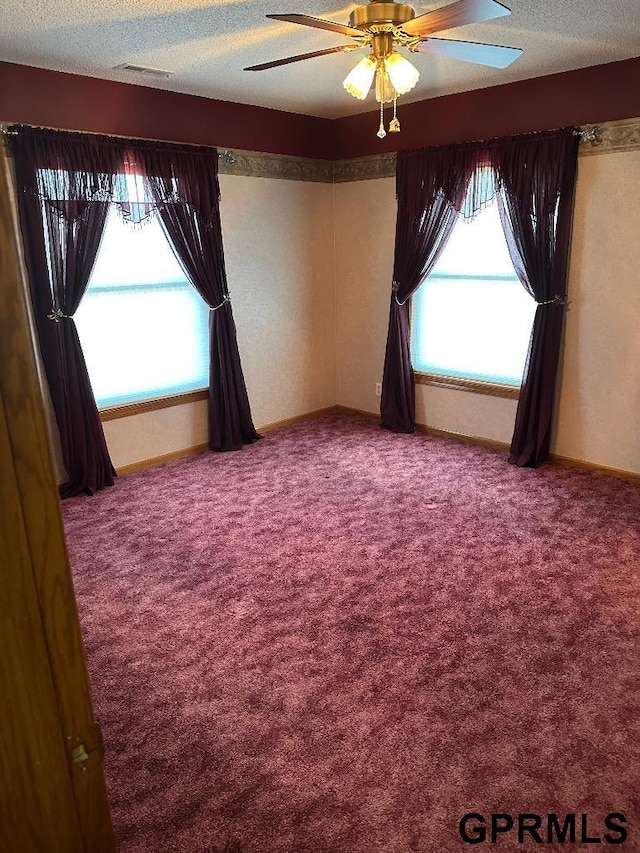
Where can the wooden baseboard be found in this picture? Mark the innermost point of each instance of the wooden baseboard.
(593, 466)
(298, 418)
(554, 458)
(465, 439)
(428, 430)
(154, 461)
(351, 411)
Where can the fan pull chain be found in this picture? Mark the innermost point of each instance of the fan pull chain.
(394, 124)
(381, 131)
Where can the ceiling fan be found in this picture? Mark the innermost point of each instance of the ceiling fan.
(384, 25)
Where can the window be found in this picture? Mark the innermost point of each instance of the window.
(471, 318)
(142, 325)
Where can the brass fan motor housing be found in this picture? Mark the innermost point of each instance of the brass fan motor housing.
(379, 13)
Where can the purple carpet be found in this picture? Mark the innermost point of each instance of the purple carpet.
(341, 640)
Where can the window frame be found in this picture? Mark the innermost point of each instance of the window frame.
(460, 383)
(127, 410)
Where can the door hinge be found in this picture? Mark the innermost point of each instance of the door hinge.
(86, 747)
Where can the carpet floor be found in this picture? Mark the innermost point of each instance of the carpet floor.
(341, 640)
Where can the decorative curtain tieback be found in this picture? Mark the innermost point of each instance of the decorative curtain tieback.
(226, 299)
(557, 300)
(394, 287)
(57, 315)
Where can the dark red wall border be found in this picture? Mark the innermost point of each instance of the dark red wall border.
(68, 101)
(586, 96)
(71, 102)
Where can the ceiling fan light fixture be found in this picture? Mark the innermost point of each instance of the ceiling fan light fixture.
(402, 73)
(384, 25)
(385, 93)
(359, 80)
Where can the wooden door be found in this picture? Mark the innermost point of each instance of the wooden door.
(52, 792)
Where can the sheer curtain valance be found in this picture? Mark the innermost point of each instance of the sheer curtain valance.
(533, 177)
(66, 183)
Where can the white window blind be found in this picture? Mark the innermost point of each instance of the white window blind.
(471, 318)
(142, 325)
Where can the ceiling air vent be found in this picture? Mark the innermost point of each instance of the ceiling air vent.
(141, 69)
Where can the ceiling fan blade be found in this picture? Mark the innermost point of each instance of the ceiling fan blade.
(493, 55)
(308, 21)
(455, 15)
(302, 56)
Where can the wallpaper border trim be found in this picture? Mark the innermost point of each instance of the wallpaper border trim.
(253, 164)
(610, 136)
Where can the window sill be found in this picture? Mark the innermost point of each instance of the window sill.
(130, 409)
(493, 389)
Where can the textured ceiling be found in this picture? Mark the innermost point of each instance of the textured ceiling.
(207, 44)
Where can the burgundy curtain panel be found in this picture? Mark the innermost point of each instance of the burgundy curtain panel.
(431, 186)
(536, 176)
(64, 184)
(183, 183)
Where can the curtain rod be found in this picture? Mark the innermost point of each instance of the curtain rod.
(5, 125)
(587, 133)
(591, 133)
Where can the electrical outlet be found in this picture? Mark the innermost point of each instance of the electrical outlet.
(378, 389)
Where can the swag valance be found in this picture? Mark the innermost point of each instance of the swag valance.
(116, 170)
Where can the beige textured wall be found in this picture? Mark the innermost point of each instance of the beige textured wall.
(309, 269)
(278, 238)
(599, 405)
(365, 218)
(278, 242)
(599, 402)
